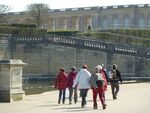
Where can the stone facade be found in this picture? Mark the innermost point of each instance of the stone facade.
(47, 59)
(100, 18)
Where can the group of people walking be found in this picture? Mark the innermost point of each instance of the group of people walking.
(84, 80)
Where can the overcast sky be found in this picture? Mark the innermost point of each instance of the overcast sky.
(20, 5)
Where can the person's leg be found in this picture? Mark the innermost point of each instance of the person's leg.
(83, 96)
(113, 90)
(101, 96)
(104, 97)
(75, 95)
(70, 94)
(117, 89)
(60, 94)
(64, 95)
(94, 98)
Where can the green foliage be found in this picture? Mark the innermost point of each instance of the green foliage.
(143, 33)
(62, 33)
(4, 24)
(24, 25)
(117, 38)
(22, 31)
(18, 25)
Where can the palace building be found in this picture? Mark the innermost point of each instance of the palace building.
(99, 18)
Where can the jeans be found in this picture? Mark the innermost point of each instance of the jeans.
(71, 90)
(83, 93)
(115, 89)
(62, 94)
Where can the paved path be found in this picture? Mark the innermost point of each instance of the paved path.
(132, 98)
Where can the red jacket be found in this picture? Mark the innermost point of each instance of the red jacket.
(71, 77)
(61, 81)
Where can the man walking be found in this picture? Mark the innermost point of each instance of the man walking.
(115, 77)
(82, 82)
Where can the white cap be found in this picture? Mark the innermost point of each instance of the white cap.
(99, 67)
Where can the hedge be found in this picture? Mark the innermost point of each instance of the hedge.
(22, 31)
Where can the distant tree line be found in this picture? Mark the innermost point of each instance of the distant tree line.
(36, 13)
(3, 11)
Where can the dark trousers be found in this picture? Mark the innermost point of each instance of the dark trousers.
(100, 92)
(83, 94)
(71, 91)
(115, 89)
(62, 94)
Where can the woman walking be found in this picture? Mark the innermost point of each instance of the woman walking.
(61, 85)
(97, 84)
(71, 78)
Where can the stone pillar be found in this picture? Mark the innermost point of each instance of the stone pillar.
(81, 23)
(11, 80)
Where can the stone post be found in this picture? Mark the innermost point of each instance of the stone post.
(11, 80)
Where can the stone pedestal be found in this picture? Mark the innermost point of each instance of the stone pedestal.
(11, 80)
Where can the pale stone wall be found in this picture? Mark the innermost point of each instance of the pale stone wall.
(47, 59)
(111, 17)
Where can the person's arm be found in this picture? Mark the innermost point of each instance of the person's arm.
(56, 81)
(69, 79)
(76, 81)
(119, 75)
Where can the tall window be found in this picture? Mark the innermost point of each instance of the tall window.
(141, 22)
(105, 23)
(115, 22)
(126, 22)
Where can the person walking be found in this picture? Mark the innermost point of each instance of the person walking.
(104, 75)
(71, 78)
(82, 82)
(115, 77)
(97, 83)
(105, 72)
(61, 85)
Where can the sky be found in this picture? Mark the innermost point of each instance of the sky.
(20, 5)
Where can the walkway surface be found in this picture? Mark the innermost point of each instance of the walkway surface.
(132, 98)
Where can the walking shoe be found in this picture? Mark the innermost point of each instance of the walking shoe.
(75, 101)
(83, 106)
(114, 97)
(104, 106)
(95, 107)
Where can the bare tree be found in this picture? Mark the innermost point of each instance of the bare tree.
(3, 11)
(38, 13)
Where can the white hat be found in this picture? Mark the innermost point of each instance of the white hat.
(99, 67)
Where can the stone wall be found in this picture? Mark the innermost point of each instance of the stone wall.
(46, 59)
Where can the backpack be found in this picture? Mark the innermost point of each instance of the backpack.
(114, 75)
(100, 80)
